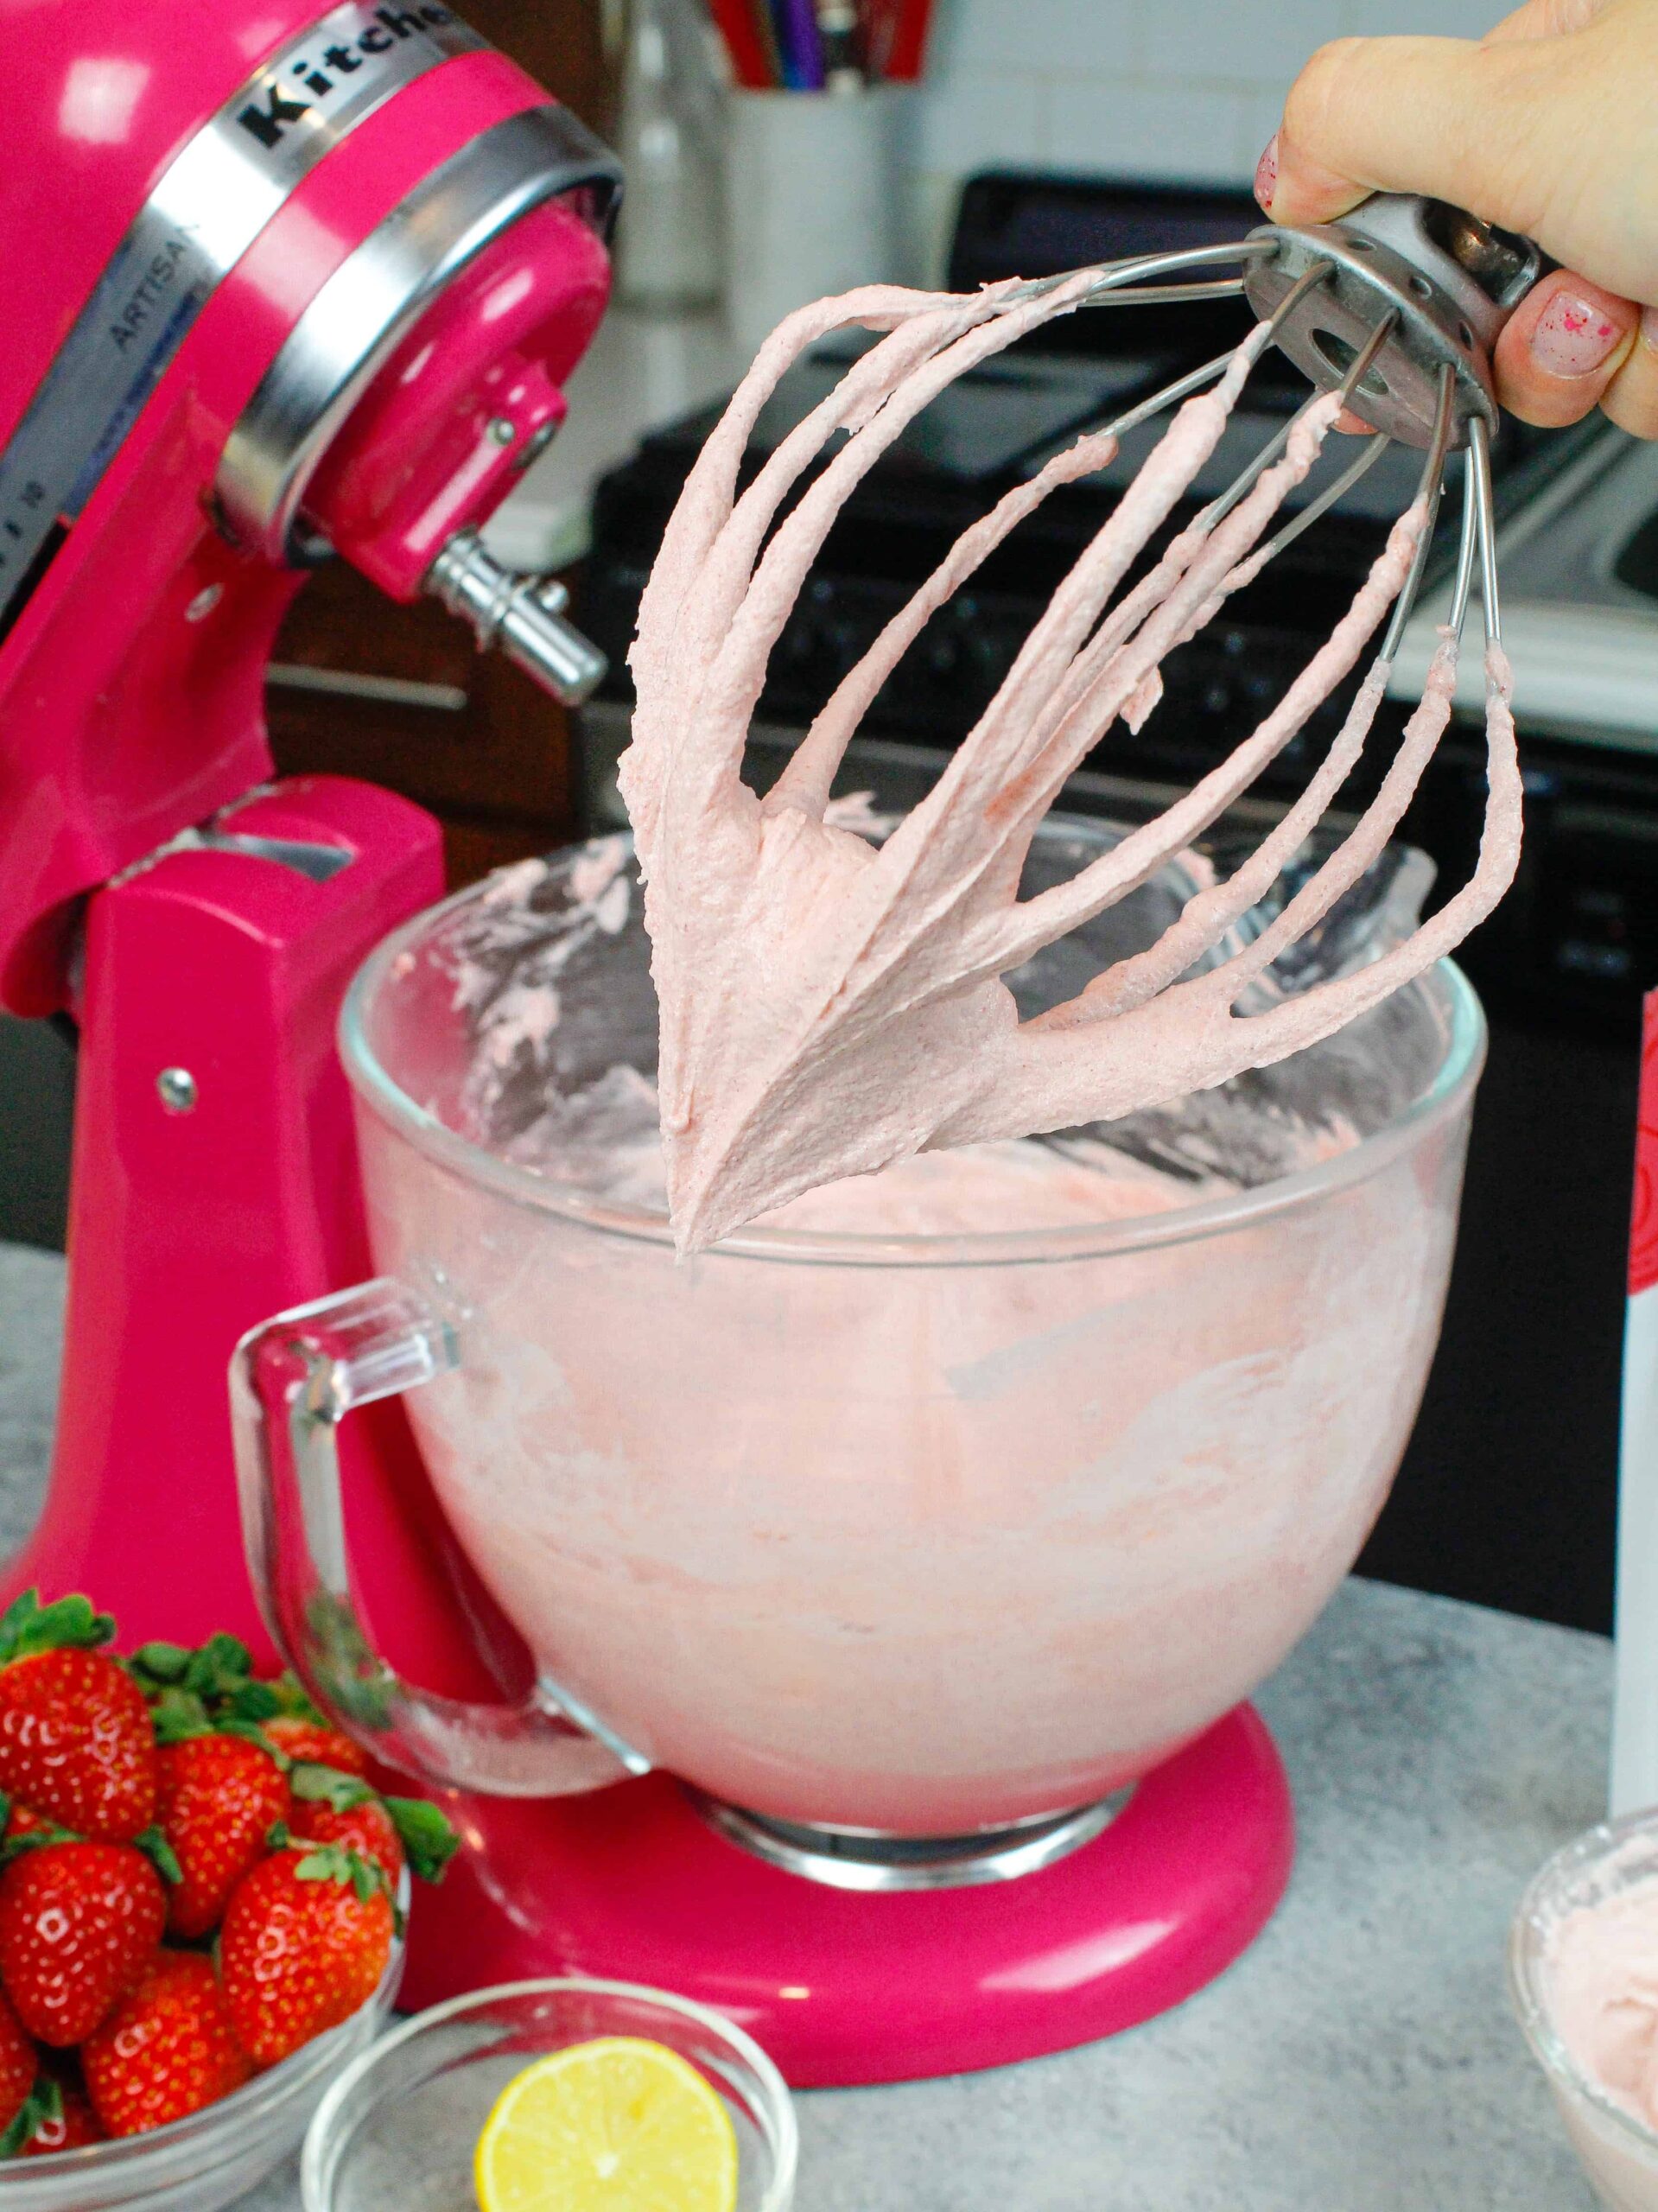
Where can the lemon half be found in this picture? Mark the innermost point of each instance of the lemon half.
(620, 2124)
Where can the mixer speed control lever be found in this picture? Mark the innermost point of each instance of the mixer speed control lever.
(523, 614)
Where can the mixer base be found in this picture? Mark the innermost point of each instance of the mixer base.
(842, 1987)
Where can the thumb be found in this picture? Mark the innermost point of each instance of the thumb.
(1447, 118)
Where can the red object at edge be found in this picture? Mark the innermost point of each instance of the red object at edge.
(1643, 1223)
(735, 24)
(908, 45)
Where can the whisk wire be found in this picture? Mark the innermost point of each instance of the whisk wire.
(1479, 469)
(1218, 511)
(1428, 495)
(1467, 548)
(1317, 508)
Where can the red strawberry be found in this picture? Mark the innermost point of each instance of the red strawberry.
(305, 1941)
(166, 2049)
(79, 1924)
(19, 2065)
(296, 1738)
(218, 1799)
(389, 1832)
(365, 1828)
(63, 2121)
(75, 1734)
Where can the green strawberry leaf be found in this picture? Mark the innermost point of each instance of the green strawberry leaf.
(177, 1714)
(251, 1732)
(159, 1664)
(43, 2102)
(253, 1701)
(334, 1862)
(156, 1848)
(428, 1836)
(219, 1666)
(325, 1785)
(28, 1627)
(294, 1701)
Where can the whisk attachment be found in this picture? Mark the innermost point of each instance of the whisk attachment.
(827, 1006)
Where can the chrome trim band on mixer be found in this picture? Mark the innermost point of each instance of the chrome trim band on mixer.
(343, 338)
(212, 201)
(875, 1863)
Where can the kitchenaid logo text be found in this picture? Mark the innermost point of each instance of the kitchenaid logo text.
(334, 67)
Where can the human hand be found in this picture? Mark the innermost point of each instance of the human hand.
(1548, 126)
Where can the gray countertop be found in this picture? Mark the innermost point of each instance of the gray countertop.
(1361, 2058)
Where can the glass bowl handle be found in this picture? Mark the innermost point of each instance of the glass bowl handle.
(293, 1381)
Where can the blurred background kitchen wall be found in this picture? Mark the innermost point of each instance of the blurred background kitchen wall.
(1187, 89)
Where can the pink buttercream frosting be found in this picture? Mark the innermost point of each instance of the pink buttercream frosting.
(1602, 1981)
(828, 1006)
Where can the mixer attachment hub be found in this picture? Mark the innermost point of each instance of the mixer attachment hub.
(1448, 281)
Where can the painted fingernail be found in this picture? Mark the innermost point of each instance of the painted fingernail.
(1649, 327)
(1571, 338)
(1266, 174)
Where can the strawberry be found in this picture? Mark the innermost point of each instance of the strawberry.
(75, 1735)
(57, 2116)
(219, 1798)
(166, 2049)
(305, 1941)
(389, 1832)
(78, 1924)
(297, 1737)
(19, 2065)
(365, 1827)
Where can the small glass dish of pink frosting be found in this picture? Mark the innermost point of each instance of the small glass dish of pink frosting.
(1583, 1972)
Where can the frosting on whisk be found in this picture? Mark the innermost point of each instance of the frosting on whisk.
(828, 1006)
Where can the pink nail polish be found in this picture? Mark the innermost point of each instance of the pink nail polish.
(1571, 338)
(1266, 174)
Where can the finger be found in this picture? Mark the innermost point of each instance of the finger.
(1546, 19)
(1631, 398)
(1440, 116)
(1561, 349)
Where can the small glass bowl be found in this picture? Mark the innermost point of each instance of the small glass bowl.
(217, 2155)
(399, 2125)
(1619, 2151)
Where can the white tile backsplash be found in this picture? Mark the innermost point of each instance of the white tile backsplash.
(980, 118)
(1055, 36)
(1192, 131)
(1246, 44)
(1167, 88)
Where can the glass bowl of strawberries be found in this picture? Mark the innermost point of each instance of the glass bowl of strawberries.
(202, 1899)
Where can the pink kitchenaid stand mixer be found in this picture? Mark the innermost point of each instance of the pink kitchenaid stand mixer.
(296, 285)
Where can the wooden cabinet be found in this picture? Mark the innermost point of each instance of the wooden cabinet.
(400, 695)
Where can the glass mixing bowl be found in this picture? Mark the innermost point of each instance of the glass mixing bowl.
(961, 1510)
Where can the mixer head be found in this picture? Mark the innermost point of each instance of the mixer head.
(327, 277)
